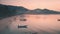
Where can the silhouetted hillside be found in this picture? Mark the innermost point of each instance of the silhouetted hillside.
(8, 10)
(43, 11)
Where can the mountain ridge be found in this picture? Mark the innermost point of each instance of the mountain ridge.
(20, 8)
(9, 10)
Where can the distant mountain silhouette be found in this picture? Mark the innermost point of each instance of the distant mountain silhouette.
(43, 11)
(8, 11)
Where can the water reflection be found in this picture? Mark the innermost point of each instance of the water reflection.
(44, 24)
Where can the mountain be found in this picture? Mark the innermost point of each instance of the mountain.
(43, 11)
(8, 10)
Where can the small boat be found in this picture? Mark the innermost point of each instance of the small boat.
(24, 26)
(58, 19)
(22, 19)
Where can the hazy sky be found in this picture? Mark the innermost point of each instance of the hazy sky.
(33, 4)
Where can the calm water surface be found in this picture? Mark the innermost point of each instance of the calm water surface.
(42, 24)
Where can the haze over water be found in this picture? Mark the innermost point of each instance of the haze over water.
(40, 24)
(36, 23)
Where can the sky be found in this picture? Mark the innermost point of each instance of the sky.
(33, 4)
